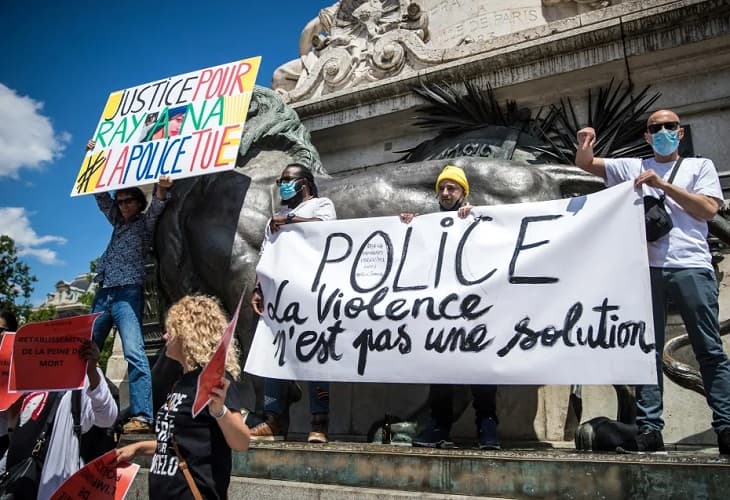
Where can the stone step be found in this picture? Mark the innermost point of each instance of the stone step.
(268, 489)
(541, 471)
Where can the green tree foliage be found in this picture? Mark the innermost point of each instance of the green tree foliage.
(44, 313)
(16, 282)
(88, 298)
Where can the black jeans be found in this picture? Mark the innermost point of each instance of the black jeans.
(441, 400)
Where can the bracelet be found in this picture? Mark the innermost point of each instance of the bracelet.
(220, 415)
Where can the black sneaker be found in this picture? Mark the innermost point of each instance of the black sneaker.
(646, 441)
(723, 442)
(487, 432)
(434, 436)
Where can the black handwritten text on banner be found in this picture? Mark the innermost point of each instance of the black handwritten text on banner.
(535, 293)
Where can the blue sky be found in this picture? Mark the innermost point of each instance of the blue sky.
(60, 61)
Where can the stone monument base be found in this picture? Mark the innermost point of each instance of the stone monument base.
(350, 470)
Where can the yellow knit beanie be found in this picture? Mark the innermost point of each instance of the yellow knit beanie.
(456, 174)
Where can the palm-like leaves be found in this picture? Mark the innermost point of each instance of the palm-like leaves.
(452, 112)
(613, 111)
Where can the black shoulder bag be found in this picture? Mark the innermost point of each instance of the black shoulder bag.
(21, 481)
(657, 219)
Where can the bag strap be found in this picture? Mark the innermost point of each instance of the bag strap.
(76, 415)
(674, 171)
(183, 465)
(40, 449)
(76, 411)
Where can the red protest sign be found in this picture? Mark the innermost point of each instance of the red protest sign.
(212, 373)
(6, 351)
(100, 479)
(46, 355)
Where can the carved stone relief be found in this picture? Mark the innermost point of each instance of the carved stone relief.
(356, 42)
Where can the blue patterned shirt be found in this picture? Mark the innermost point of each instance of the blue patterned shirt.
(122, 263)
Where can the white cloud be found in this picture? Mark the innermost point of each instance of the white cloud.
(45, 255)
(15, 223)
(27, 138)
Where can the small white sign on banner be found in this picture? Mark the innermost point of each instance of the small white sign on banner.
(552, 292)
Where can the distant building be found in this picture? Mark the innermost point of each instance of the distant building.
(67, 297)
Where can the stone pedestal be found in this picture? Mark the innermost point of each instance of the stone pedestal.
(116, 371)
(680, 48)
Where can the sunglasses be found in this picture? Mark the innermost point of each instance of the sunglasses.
(656, 127)
(124, 201)
(449, 188)
(281, 180)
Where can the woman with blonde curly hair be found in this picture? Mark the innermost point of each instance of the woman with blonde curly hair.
(194, 327)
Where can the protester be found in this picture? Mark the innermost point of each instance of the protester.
(680, 265)
(8, 322)
(452, 189)
(194, 327)
(302, 203)
(120, 297)
(63, 457)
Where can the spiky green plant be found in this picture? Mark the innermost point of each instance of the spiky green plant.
(617, 116)
(615, 113)
(453, 112)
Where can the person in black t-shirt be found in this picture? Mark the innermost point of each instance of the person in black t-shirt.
(194, 327)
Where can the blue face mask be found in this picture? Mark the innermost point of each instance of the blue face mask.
(665, 142)
(288, 190)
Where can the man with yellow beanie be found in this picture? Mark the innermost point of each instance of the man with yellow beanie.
(452, 189)
(457, 176)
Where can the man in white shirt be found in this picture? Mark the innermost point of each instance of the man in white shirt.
(63, 457)
(680, 262)
(301, 203)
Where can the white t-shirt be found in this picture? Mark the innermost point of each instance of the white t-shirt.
(686, 244)
(62, 458)
(313, 208)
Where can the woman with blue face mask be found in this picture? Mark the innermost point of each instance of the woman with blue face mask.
(301, 203)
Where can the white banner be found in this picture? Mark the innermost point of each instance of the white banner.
(550, 292)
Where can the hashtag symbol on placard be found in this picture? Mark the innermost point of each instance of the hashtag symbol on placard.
(82, 185)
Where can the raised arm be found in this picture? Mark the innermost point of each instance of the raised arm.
(104, 200)
(98, 408)
(106, 204)
(157, 204)
(584, 157)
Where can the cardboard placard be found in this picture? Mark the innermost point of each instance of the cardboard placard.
(6, 352)
(182, 126)
(46, 355)
(100, 479)
(212, 373)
